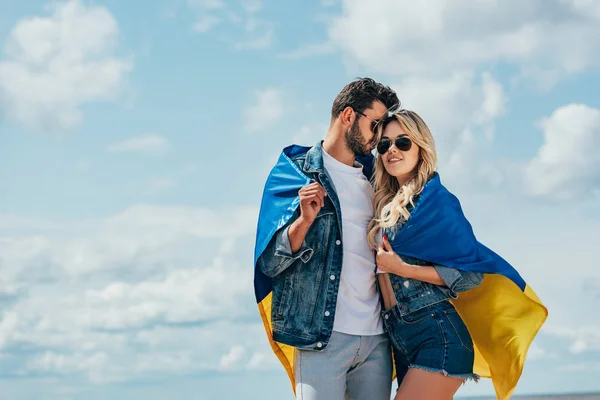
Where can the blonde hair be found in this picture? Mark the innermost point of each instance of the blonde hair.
(390, 202)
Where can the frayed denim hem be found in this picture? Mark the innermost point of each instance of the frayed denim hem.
(465, 377)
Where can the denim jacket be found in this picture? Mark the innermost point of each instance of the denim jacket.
(306, 283)
(412, 294)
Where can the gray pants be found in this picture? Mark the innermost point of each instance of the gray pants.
(351, 367)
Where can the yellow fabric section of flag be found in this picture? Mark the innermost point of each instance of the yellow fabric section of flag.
(284, 353)
(503, 320)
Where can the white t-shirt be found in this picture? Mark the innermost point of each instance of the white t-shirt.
(358, 308)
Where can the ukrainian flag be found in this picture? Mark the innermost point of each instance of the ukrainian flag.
(279, 202)
(503, 314)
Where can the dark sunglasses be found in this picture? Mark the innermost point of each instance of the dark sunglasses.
(374, 122)
(402, 143)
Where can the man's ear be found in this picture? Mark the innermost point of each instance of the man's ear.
(347, 116)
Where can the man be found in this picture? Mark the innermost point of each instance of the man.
(312, 255)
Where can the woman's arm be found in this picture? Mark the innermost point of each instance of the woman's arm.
(456, 281)
(395, 265)
(389, 261)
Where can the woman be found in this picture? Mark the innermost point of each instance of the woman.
(433, 351)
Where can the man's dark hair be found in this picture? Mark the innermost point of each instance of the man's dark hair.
(360, 95)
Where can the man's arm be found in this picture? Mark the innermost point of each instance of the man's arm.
(297, 233)
(288, 244)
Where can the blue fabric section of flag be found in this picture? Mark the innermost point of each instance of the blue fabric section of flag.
(280, 200)
(437, 231)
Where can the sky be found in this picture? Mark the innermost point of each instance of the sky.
(135, 139)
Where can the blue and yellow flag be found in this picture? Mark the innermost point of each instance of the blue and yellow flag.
(279, 202)
(503, 314)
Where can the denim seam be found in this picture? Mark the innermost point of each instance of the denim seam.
(456, 331)
(352, 364)
(284, 296)
(396, 341)
(445, 356)
(296, 334)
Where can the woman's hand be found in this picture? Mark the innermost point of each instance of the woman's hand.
(388, 261)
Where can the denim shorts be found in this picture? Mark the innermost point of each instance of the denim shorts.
(433, 338)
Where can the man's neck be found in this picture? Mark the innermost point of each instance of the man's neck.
(335, 145)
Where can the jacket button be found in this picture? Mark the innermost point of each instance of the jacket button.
(396, 286)
(319, 345)
(404, 307)
(338, 242)
(332, 277)
(327, 313)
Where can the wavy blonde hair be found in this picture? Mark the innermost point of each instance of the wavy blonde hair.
(390, 202)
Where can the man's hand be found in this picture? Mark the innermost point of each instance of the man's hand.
(312, 199)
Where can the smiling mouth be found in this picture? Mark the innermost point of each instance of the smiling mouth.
(394, 160)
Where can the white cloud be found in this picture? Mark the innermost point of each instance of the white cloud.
(206, 23)
(567, 165)
(460, 109)
(260, 38)
(135, 239)
(145, 143)
(207, 4)
(308, 135)
(91, 364)
(453, 102)
(536, 352)
(440, 35)
(233, 358)
(55, 64)
(251, 32)
(206, 20)
(266, 110)
(582, 367)
(494, 99)
(252, 6)
(152, 289)
(184, 295)
(582, 339)
(258, 34)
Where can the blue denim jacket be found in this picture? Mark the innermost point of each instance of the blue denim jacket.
(412, 294)
(306, 283)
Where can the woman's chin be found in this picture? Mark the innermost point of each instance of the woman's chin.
(396, 171)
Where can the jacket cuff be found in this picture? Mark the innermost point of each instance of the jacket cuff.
(283, 248)
(450, 276)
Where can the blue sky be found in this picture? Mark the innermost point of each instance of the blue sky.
(135, 141)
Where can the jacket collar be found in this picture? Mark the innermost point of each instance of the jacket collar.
(314, 161)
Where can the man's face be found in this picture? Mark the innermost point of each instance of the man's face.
(360, 138)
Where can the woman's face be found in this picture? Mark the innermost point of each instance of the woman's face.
(397, 160)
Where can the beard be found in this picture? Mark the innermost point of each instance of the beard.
(354, 141)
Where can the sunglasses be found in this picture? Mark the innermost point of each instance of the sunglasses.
(374, 122)
(402, 143)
